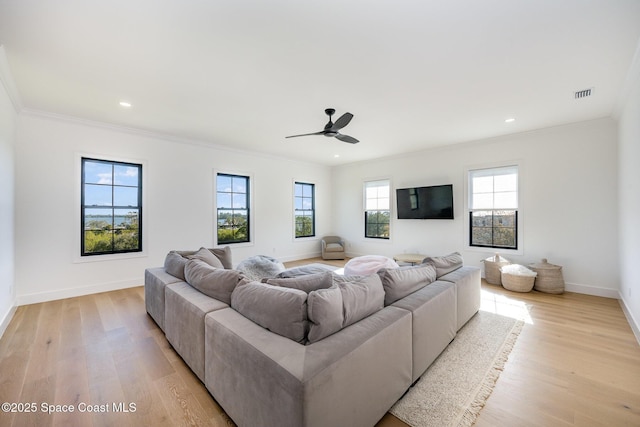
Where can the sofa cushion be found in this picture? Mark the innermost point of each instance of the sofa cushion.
(445, 264)
(281, 310)
(326, 317)
(217, 283)
(174, 264)
(400, 282)
(305, 270)
(207, 256)
(308, 283)
(351, 298)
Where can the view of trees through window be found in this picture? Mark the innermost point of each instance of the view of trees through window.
(377, 209)
(232, 201)
(111, 207)
(493, 203)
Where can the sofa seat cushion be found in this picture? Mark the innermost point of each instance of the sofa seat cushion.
(217, 283)
(368, 264)
(349, 300)
(281, 310)
(308, 283)
(445, 264)
(260, 267)
(333, 247)
(402, 281)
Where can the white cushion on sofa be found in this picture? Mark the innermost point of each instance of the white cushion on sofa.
(368, 264)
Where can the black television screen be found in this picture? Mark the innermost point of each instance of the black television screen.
(434, 202)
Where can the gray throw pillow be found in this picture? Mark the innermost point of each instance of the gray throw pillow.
(283, 311)
(325, 314)
(349, 300)
(224, 255)
(361, 296)
(217, 283)
(207, 256)
(308, 283)
(400, 282)
(174, 264)
(445, 264)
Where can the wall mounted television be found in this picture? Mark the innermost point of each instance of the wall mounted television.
(433, 202)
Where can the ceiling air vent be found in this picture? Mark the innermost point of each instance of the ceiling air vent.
(583, 93)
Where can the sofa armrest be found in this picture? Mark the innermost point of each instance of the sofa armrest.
(261, 378)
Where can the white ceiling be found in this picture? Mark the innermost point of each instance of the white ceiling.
(415, 74)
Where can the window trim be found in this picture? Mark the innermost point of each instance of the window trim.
(365, 210)
(313, 211)
(77, 257)
(250, 223)
(519, 164)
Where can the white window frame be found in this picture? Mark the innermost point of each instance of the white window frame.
(518, 164)
(365, 207)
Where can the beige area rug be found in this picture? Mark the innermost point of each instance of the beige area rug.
(456, 386)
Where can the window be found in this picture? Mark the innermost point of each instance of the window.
(232, 202)
(111, 207)
(376, 209)
(493, 207)
(304, 209)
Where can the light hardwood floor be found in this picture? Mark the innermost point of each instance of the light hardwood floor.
(576, 363)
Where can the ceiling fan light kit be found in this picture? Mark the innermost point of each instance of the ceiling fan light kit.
(332, 129)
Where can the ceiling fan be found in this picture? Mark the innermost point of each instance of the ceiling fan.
(332, 129)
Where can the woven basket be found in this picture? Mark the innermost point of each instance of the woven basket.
(549, 278)
(517, 283)
(492, 269)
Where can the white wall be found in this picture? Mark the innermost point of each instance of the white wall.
(178, 204)
(629, 193)
(568, 182)
(8, 119)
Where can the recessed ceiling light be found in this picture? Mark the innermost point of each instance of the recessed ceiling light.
(510, 120)
(125, 104)
(336, 155)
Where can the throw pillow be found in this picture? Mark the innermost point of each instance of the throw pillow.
(207, 256)
(174, 264)
(445, 264)
(260, 267)
(325, 314)
(400, 282)
(367, 264)
(361, 296)
(217, 283)
(283, 311)
(224, 255)
(308, 283)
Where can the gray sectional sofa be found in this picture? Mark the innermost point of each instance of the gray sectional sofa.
(309, 347)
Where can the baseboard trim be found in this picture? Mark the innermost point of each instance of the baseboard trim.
(591, 290)
(7, 319)
(77, 292)
(635, 326)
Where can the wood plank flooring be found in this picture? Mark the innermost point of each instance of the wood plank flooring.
(576, 363)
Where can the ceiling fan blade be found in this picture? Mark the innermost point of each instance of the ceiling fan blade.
(306, 134)
(342, 121)
(347, 138)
